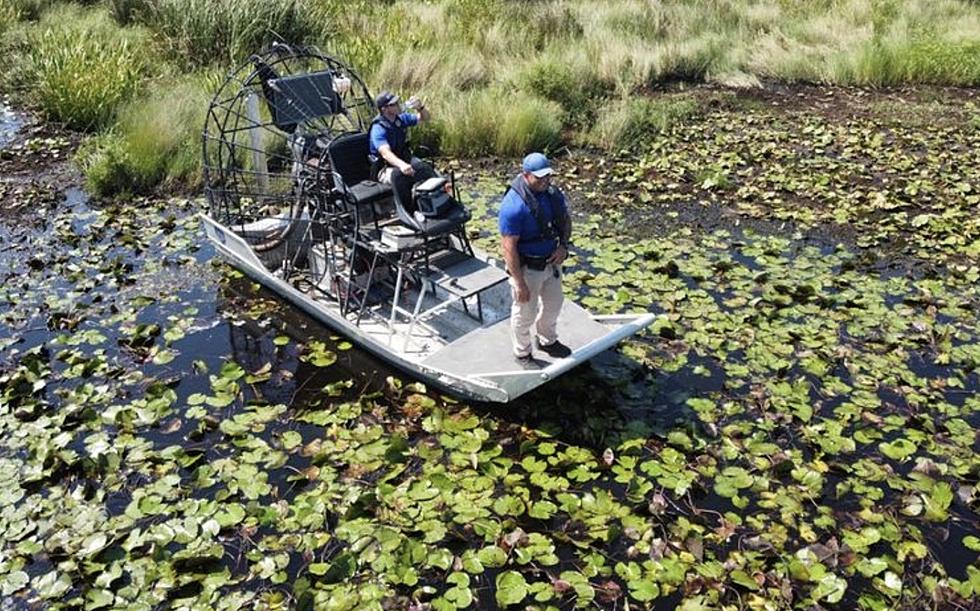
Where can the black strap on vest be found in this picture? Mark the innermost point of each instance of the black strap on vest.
(546, 231)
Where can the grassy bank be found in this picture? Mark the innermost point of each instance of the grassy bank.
(501, 76)
(78, 66)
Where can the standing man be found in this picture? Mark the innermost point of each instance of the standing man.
(535, 229)
(388, 147)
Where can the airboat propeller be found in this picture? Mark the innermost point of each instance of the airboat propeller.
(293, 201)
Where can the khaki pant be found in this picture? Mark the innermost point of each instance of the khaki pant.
(384, 176)
(541, 309)
(422, 170)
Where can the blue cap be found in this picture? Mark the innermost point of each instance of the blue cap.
(385, 98)
(537, 164)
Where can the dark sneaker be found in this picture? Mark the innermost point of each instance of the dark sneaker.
(556, 349)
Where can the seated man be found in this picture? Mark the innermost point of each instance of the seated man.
(391, 159)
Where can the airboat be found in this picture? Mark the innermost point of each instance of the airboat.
(293, 203)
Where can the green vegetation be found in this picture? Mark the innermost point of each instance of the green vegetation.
(156, 140)
(634, 122)
(78, 66)
(918, 61)
(882, 171)
(202, 32)
(26, 9)
(797, 429)
(566, 77)
(492, 121)
(8, 17)
(589, 59)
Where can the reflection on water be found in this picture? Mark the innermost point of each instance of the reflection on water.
(258, 317)
(10, 124)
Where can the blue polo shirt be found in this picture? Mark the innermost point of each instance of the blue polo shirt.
(516, 219)
(394, 135)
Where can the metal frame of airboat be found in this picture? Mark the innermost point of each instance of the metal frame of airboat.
(478, 365)
(281, 211)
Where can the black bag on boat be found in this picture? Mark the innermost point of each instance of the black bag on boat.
(432, 199)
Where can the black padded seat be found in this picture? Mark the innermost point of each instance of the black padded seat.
(440, 226)
(368, 191)
(348, 155)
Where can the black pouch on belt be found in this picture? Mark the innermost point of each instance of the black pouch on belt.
(536, 263)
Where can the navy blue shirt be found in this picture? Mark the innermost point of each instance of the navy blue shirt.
(395, 134)
(516, 219)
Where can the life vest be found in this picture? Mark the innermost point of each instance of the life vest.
(401, 150)
(550, 230)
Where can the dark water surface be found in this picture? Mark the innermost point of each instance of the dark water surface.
(10, 123)
(98, 269)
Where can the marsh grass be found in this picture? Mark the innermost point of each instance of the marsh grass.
(579, 54)
(28, 10)
(411, 72)
(200, 32)
(928, 61)
(9, 16)
(156, 141)
(502, 76)
(494, 121)
(540, 25)
(470, 19)
(568, 78)
(633, 122)
(78, 66)
(377, 38)
(126, 12)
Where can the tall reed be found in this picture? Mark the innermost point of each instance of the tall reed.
(9, 15)
(567, 77)
(502, 76)
(30, 10)
(78, 66)
(200, 32)
(633, 123)
(496, 122)
(156, 140)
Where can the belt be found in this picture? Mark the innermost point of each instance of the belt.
(535, 263)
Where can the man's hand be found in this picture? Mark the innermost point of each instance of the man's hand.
(393, 160)
(418, 105)
(560, 254)
(523, 293)
(513, 260)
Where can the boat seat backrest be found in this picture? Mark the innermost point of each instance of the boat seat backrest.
(349, 157)
(450, 215)
(431, 197)
(352, 175)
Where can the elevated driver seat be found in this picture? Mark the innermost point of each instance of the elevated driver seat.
(348, 156)
(429, 208)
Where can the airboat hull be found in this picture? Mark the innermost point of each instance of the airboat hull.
(475, 364)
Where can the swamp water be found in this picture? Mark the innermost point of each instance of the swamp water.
(10, 123)
(797, 427)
